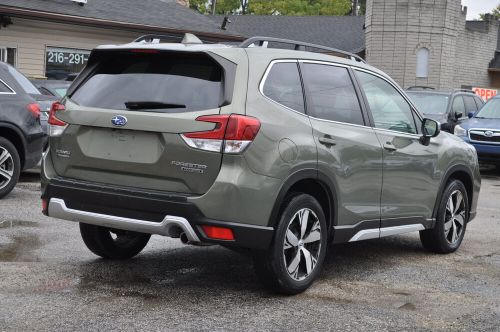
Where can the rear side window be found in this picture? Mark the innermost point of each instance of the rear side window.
(284, 87)
(470, 104)
(4, 88)
(331, 94)
(159, 82)
(25, 83)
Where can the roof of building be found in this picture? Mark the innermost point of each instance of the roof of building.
(162, 15)
(342, 32)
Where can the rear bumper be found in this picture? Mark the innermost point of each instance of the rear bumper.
(166, 214)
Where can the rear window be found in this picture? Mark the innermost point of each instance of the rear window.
(159, 82)
(25, 84)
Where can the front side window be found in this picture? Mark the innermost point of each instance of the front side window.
(458, 105)
(388, 107)
(470, 104)
(331, 94)
(430, 103)
(284, 87)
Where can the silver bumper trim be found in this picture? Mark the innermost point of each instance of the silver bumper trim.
(169, 226)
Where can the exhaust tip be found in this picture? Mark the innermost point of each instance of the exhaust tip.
(184, 238)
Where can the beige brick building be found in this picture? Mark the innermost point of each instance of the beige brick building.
(430, 43)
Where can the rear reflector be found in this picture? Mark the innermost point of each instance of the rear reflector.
(45, 206)
(34, 109)
(232, 133)
(218, 233)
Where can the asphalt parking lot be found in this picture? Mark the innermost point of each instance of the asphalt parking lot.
(50, 281)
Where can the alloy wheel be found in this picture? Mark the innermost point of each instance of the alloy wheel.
(454, 219)
(302, 244)
(6, 167)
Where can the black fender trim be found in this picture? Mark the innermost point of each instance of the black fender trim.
(305, 174)
(20, 134)
(444, 181)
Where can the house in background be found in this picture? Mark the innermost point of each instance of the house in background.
(53, 38)
(345, 33)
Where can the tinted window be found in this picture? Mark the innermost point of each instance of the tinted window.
(389, 109)
(4, 88)
(185, 82)
(283, 86)
(331, 94)
(491, 110)
(470, 104)
(25, 84)
(458, 105)
(429, 103)
(479, 102)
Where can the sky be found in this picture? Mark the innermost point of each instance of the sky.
(476, 7)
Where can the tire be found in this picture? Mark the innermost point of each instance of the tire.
(10, 167)
(100, 241)
(272, 266)
(449, 230)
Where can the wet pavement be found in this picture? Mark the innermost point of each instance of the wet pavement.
(50, 281)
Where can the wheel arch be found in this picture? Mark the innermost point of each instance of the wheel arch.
(314, 183)
(457, 172)
(15, 136)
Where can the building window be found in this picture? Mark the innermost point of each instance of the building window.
(423, 62)
(64, 63)
(8, 54)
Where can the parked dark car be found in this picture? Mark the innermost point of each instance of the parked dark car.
(21, 134)
(54, 88)
(482, 130)
(446, 107)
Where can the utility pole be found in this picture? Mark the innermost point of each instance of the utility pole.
(214, 3)
(354, 11)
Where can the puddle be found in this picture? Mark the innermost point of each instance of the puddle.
(17, 223)
(20, 249)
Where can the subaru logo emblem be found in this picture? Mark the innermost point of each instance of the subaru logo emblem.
(119, 120)
(488, 133)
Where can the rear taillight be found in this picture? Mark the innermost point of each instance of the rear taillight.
(34, 109)
(232, 133)
(56, 126)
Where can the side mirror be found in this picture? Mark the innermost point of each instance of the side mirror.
(458, 115)
(430, 129)
(470, 115)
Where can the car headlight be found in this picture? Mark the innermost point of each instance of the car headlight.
(459, 131)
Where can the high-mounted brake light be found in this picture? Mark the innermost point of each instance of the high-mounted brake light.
(145, 51)
(34, 109)
(232, 133)
(56, 126)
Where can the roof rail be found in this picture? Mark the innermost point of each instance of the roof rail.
(463, 90)
(298, 46)
(420, 87)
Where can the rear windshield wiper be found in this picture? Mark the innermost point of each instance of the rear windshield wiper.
(141, 105)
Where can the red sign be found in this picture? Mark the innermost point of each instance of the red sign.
(485, 93)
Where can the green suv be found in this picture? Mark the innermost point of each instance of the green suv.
(278, 151)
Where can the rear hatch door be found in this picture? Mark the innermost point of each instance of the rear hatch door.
(126, 116)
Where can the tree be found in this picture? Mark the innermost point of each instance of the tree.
(275, 7)
(495, 13)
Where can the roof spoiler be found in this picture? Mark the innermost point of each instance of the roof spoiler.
(188, 38)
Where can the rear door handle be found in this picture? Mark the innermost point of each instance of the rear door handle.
(328, 141)
(389, 147)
